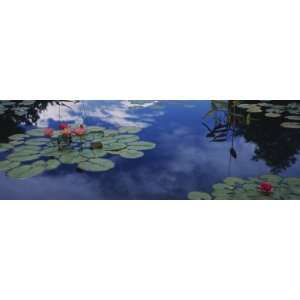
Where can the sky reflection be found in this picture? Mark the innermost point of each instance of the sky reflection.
(184, 159)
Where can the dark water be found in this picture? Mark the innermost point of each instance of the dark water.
(185, 159)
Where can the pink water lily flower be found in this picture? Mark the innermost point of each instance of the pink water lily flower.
(80, 131)
(48, 132)
(266, 187)
(63, 126)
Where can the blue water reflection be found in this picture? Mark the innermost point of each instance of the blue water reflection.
(184, 159)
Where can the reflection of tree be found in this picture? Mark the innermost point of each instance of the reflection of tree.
(10, 120)
(276, 145)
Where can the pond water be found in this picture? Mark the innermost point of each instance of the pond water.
(187, 156)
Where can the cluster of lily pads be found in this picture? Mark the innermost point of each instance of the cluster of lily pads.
(266, 187)
(39, 150)
(290, 112)
(20, 110)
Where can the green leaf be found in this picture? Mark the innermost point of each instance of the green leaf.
(96, 165)
(141, 145)
(199, 196)
(130, 129)
(131, 154)
(6, 165)
(114, 146)
(233, 181)
(5, 147)
(26, 171)
(36, 132)
(22, 158)
(52, 164)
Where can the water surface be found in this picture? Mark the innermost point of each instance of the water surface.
(185, 157)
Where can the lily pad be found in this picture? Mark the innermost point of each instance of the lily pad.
(131, 154)
(18, 136)
(37, 142)
(88, 153)
(293, 118)
(292, 125)
(114, 146)
(70, 157)
(5, 147)
(26, 171)
(272, 115)
(52, 164)
(199, 196)
(233, 181)
(6, 165)
(99, 152)
(130, 129)
(36, 132)
(96, 165)
(23, 158)
(141, 145)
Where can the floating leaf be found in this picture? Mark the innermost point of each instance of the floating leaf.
(52, 164)
(272, 115)
(5, 147)
(22, 158)
(99, 152)
(292, 125)
(199, 196)
(26, 171)
(114, 146)
(36, 132)
(37, 142)
(70, 157)
(232, 181)
(126, 153)
(6, 165)
(130, 129)
(141, 145)
(18, 136)
(96, 165)
(293, 118)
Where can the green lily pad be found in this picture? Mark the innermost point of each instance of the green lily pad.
(96, 165)
(70, 157)
(88, 153)
(35, 149)
(141, 145)
(222, 186)
(16, 142)
(233, 181)
(272, 115)
(292, 181)
(110, 132)
(131, 154)
(26, 171)
(293, 118)
(18, 136)
(199, 196)
(130, 129)
(52, 164)
(114, 146)
(36, 132)
(291, 125)
(37, 142)
(271, 178)
(6, 165)
(99, 152)
(23, 158)
(5, 147)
